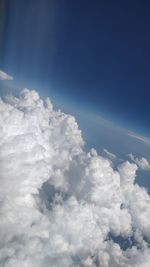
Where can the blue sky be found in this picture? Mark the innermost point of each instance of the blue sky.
(93, 54)
(92, 59)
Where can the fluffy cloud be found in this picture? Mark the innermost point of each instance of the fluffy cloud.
(142, 163)
(4, 76)
(61, 206)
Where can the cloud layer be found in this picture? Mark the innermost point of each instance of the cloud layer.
(4, 76)
(61, 206)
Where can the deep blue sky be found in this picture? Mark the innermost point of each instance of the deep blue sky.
(94, 54)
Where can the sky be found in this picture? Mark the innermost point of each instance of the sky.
(93, 54)
(78, 159)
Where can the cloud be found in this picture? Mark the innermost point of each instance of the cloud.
(109, 154)
(61, 206)
(4, 76)
(139, 137)
(142, 163)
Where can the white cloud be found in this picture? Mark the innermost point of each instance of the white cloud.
(4, 76)
(59, 204)
(109, 154)
(141, 138)
(141, 163)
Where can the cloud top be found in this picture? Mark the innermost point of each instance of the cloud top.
(142, 162)
(61, 206)
(4, 76)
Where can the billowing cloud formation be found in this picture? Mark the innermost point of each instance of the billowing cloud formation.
(4, 76)
(142, 163)
(61, 206)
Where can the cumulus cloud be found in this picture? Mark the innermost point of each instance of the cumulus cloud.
(4, 76)
(61, 206)
(142, 163)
